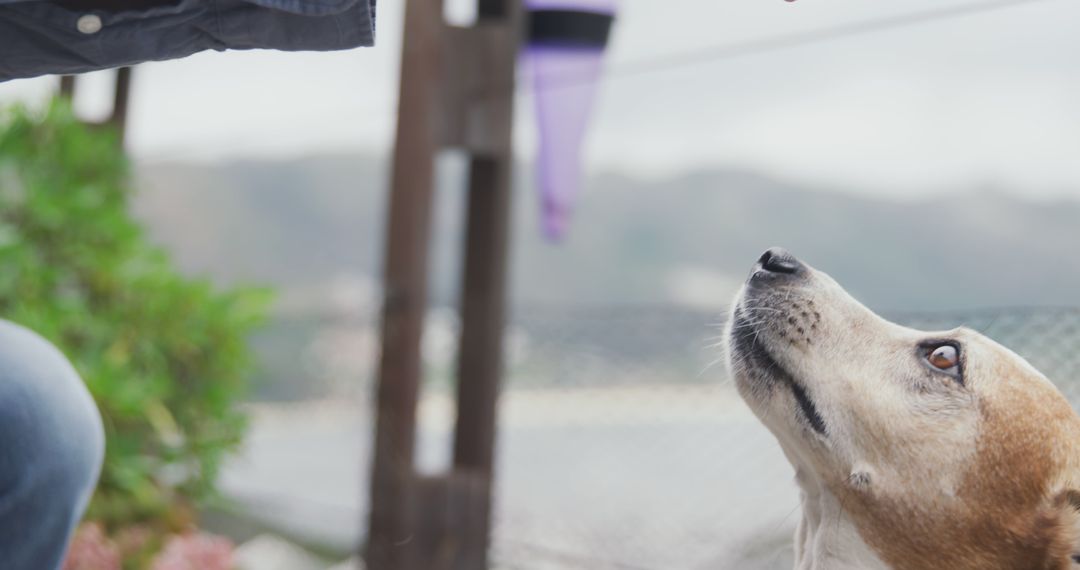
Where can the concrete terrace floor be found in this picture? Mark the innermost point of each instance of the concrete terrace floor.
(635, 478)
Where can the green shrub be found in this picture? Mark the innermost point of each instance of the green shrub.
(165, 356)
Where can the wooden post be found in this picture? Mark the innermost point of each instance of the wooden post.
(67, 86)
(480, 353)
(482, 313)
(121, 98)
(391, 541)
(457, 87)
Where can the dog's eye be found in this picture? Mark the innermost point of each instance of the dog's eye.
(944, 357)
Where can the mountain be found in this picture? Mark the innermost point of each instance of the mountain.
(305, 223)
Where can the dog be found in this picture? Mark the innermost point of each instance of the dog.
(912, 450)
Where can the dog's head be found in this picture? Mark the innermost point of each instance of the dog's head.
(945, 449)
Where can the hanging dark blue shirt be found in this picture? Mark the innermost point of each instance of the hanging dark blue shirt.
(43, 38)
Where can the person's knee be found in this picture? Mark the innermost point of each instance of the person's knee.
(51, 449)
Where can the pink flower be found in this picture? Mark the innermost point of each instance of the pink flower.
(91, 550)
(195, 551)
(132, 540)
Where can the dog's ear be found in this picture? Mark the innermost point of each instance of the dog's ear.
(1060, 529)
(1072, 503)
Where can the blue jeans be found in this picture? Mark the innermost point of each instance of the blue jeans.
(51, 448)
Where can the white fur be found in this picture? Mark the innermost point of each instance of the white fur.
(896, 430)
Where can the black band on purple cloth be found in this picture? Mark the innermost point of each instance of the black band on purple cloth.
(578, 28)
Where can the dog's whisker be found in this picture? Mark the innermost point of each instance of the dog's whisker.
(709, 366)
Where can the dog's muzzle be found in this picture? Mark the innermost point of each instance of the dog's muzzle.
(764, 305)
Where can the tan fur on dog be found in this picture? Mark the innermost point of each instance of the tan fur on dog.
(902, 465)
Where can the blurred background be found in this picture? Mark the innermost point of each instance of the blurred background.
(929, 168)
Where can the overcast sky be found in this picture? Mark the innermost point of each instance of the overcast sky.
(986, 99)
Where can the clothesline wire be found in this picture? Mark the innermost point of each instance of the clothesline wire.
(721, 52)
(724, 51)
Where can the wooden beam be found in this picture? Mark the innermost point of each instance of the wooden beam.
(483, 301)
(478, 96)
(480, 359)
(121, 97)
(117, 119)
(451, 514)
(483, 293)
(390, 544)
(457, 87)
(67, 86)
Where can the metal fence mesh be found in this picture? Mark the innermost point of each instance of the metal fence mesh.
(622, 443)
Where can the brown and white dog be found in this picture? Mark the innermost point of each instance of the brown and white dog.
(913, 450)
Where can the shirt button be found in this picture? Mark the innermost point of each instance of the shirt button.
(88, 24)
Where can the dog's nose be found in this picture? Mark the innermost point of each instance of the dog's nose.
(779, 260)
(776, 266)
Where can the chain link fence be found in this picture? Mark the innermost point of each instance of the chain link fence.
(622, 444)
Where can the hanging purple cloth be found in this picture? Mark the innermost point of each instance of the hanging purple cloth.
(564, 56)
